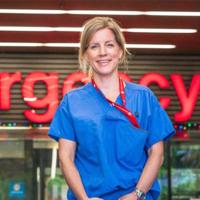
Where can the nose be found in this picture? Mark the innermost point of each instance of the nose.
(102, 50)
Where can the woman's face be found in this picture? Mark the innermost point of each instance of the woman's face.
(103, 53)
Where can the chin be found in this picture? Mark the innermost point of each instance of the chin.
(105, 72)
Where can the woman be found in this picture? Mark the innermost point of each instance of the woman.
(105, 151)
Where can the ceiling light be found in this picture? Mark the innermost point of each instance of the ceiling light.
(31, 11)
(99, 12)
(68, 29)
(173, 13)
(40, 28)
(76, 45)
(104, 12)
(61, 44)
(158, 30)
(150, 46)
(79, 29)
(74, 12)
(20, 44)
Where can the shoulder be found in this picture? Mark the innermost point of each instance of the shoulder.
(77, 95)
(140, 93)
(78, 92)
(80, 100)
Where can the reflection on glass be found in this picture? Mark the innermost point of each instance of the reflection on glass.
(185, 171)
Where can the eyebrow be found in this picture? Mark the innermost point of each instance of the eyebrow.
(105, 42)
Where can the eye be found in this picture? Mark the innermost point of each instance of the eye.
(110, 45)
(93, 46)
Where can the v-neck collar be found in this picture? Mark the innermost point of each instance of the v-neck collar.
(118, 100)
(109, 111)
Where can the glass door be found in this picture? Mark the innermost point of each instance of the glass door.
(185, 170)
(16, 171)
(51, 183)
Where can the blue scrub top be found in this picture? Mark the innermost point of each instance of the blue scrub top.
(111, 152)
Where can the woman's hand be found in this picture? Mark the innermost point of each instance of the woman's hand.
(130, 196)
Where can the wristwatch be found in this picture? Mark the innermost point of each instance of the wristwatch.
(140, 194)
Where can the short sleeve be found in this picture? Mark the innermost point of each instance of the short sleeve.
(160, 127)
(62, 123)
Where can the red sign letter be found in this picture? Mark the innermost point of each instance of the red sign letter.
(187, 101)
(50, 101)
(6, 82)
(161, 81)
(79, 77)
(125, 77)
(71, 79)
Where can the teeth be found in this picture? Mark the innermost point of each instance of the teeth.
(103, 61)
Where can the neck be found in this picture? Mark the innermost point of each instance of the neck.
(109, 85)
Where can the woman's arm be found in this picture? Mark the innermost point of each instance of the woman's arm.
(67, 150)
(152, 167)
(150, 170)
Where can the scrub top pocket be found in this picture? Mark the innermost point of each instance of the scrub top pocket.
(130, 144)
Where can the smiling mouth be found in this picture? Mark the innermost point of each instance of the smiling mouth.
(103, 62)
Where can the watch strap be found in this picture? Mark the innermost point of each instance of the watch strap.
(140, 194)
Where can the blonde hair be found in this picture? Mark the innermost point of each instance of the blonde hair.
(89, 29)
